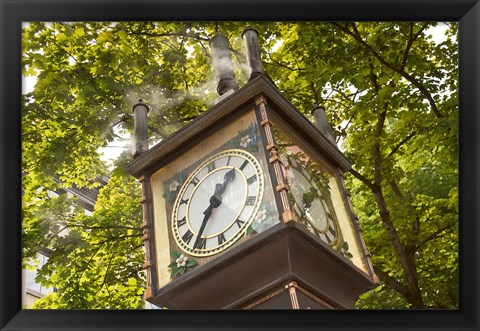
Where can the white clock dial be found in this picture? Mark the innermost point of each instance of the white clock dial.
(217, 203)
(312, 204)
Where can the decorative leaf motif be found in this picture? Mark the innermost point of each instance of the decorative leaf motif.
(247, 139)
(180, 264)
(172, 186)
(344, 251)
(266, 217)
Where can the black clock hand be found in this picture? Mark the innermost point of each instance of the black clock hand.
(207, 213)
(215, 201)
(229, 177)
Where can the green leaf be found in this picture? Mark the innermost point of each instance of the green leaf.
(79, 32)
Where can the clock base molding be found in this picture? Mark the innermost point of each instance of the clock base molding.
(285, 267)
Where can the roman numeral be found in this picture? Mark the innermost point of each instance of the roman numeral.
(239, 222)
(324, 237)
(252, 179)
(228, 160)
(221, 239)
(183, 221)
(211, 166)
(195, 181)
(184, 201)
(244, 164)
(332, 230)
(187, 237)
(250, 200)
(329, 239)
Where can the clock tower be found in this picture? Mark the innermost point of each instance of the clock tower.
(246, 207)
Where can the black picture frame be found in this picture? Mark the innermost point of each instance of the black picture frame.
(14, 12)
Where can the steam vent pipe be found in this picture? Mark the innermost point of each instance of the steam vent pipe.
(222, 64)
(254, 60)
(322, 124)
(140, 111)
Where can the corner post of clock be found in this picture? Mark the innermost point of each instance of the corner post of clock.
(291, 287)
(146, 238)
(282, 187)
(140, 137)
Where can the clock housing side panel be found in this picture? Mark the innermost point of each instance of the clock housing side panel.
(315, 192)
(161, 245)
(353, 250)
(168, 186)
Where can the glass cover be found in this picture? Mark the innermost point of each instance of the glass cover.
(316, 194)
(309, 190)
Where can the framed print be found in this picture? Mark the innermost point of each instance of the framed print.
(256, 179)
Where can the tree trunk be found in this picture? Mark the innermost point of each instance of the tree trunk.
(414, 295)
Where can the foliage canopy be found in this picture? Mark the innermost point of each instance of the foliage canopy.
(390, 94)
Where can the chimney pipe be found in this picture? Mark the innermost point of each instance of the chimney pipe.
(321, 122)
(140, 111)
(222, 64)
(254, 60)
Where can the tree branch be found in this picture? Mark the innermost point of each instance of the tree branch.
(363, 179)
(85, 226)
(377, 155)
(315, 93)
(181, 120)
(157, 131)
(409, 45)
(397, 286)
(401, 143)
(356, 35)
(435, 235)
(177, 34)
(410, 42)
(88, 263)
(81, 65)
(106, 273)
(374, 78)
(240, 56)
(116, 238)
(406, 262)
(121, 120)
(410, 247)
(45, 243)
(279, 64)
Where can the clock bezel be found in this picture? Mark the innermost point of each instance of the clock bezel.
(198, 252)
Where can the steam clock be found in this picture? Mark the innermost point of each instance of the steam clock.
(246, 207)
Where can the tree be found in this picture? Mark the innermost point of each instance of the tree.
(97, 263)
(390, 94)
(393, 97)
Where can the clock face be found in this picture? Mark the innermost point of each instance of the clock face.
(217, 203)
(312, 202)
